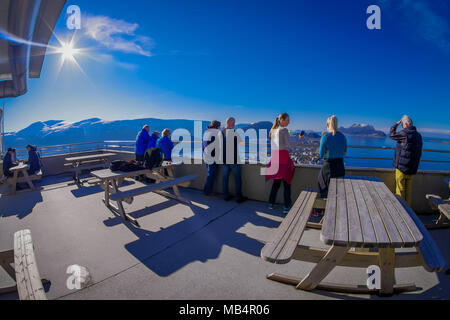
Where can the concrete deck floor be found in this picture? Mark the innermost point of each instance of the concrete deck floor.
(206, 251)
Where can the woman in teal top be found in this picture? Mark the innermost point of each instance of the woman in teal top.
(333, 147)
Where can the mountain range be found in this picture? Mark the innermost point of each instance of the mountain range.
(57, 132)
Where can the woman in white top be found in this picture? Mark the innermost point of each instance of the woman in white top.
(281, 168)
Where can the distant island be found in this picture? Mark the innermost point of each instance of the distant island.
(363, 130)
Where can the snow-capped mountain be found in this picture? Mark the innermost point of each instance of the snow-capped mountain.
(363, 130)
(56, 132)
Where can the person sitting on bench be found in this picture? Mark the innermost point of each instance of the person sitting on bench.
(9, 161)
(34, 160)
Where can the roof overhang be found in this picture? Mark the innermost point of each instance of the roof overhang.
(31, 21)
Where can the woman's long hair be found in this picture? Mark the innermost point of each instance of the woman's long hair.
(332, 124)
(276, 123)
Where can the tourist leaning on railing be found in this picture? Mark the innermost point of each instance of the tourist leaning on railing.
(281, 168)
(232, 161)
(211, 134)
(407, 156)
(333, 147)
(153, 140)
(142, 140)
(166, 145)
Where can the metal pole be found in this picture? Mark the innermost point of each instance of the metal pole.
(2, 124)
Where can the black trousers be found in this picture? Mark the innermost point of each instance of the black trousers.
(332, 168)
(287, 192)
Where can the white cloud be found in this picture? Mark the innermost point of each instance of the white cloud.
(422, 21)
(117, 35)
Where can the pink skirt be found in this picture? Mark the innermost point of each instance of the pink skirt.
(286, 167)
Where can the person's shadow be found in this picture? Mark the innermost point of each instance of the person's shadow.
(20, 205)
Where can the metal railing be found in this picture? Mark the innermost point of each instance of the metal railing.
(129, 146)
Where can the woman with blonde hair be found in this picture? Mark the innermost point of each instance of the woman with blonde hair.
(333, 147)
(281, 167)
(166, 145)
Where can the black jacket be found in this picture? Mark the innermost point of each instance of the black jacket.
(7, 164)
(409, 149)
(34, 161)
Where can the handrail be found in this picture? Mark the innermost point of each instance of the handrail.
(106, 144)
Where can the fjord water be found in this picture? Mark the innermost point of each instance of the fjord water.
(428, 143)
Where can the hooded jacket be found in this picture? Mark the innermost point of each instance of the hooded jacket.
(409, 149)
(33, 161)
(166, 145)
(142, 140)
(152, 141)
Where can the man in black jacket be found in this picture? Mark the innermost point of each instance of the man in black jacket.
(407, 156)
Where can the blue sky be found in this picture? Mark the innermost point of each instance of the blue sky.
(253, 59)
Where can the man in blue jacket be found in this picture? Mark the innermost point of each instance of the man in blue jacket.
(142, 140)
(153, 140)
(407, 156)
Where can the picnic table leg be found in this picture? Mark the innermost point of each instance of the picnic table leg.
(323, 268)
(120, 207)
(107, 186)
(28, 180)
(6, 259)
(386, 260)
(14, 183)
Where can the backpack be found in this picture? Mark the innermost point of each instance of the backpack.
(152, 158)
(125, 166)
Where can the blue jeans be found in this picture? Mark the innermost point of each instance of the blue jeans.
(236, 168)
(212, 173)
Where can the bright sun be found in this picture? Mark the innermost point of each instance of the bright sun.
(67, 50)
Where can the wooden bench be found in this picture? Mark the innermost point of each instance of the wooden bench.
(432, 256)
(285, 240)
(25, 272)
(128, 195)
(443, 206)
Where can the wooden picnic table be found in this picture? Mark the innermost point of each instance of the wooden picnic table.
(93, 161)
(111, 180)
(443, 207)
(363, 223)
(20, 174)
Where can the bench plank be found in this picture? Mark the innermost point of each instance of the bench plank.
(285, 239)
(434, 261)
(143, 190)
(29, 284)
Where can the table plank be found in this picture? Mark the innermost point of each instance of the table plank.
(329, 221)
(90, 157)
(107, 174)
(354, 224)
(382, 238)
(341, 231)
(402, 227)
(367, 228)
(394, 236)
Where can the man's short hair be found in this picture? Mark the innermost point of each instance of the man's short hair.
(406, 120)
